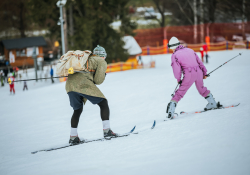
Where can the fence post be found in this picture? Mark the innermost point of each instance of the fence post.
(121, 67)
(226, 45)
(132, 67)
(148, 50)
(247, 44)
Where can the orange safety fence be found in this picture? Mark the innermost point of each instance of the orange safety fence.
(224, 45)
(122, 66)
(193, 34)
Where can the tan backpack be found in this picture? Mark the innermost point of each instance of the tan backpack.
(73, 60)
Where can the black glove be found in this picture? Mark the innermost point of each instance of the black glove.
(180, 82)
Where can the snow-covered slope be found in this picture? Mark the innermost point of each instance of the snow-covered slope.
(215, 142)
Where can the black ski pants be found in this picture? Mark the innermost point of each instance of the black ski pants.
(104, 109)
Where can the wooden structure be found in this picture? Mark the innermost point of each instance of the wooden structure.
(22, 50)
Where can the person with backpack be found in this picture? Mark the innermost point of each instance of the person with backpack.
(81, 86)
(186, 61)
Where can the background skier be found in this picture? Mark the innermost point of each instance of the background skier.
(51, 74)
(2, 77)
(205, 49)
(202, 54)
(25, 85)
(12, 88)
(186, 60)
(82, 87)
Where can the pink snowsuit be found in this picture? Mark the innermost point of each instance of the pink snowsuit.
(186, 60)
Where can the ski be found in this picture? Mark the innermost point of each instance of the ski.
(222, 107)
(152, 127)
(85, 141)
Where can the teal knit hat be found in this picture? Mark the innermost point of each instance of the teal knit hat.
(100, 51)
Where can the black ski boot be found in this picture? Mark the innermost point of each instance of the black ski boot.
(108, 133)
(74, 140)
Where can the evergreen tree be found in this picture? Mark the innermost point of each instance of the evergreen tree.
(92, 19)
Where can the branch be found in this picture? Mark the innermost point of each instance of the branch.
(184, 12)
(162, 22)
(78, 10)
(150, 13)
(190, 5)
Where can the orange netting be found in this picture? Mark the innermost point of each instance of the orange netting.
(216, 31)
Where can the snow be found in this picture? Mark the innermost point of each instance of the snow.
(131, 45)
(215, 142)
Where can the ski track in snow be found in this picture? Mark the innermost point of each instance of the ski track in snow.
(215, 142)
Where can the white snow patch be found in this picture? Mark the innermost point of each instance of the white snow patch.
(216, 142)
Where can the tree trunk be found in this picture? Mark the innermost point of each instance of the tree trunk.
(243, 20)
(195, 22)
(71, 24)
(202, 21)
(65, 30)
(21, 24)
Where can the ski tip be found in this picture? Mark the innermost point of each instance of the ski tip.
(153, 125)
(34, 152)
(133, 129)
(182, 112)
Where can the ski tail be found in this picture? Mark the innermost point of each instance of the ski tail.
(219, 107)
(153, 125)
(132, 130)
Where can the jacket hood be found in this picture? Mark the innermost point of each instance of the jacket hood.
(179, 48)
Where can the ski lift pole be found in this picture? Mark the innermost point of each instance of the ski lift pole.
(223, 64)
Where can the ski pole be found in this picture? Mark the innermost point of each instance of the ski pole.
(34, 79)
(70, 71)
(176, 88)
(223, 64)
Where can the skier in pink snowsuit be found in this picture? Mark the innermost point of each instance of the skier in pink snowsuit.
(186, 61)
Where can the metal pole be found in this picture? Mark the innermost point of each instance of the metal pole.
(62, 31)
(35, 61)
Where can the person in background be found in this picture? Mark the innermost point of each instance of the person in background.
(5, 71)
(25, 85)
(186, 61)
(51, 74)
(140, 60)
(11, 78)
(202, 54)
(205, 49)
(20, 76)
(2, 77)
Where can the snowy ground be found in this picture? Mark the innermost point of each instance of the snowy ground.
(216, 142)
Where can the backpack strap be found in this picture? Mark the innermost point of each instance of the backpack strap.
(90, 70)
